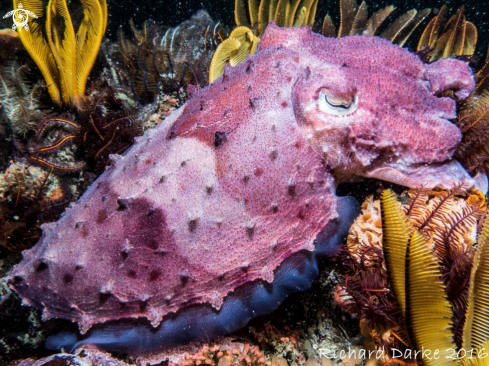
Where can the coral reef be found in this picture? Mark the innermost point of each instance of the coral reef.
(20, 99)
(26, 192)
(220, 175)
(473, 120)
(53, 136)
(10, 42)
(89, 357)
(452, 38)
(444, 223)
(64, 58)
(245, 38)
(70, 146)
(21, 333)
(163, 62)
(353, 20)
(283, 13)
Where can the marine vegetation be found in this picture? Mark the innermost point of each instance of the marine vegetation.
(26, 192)
(354, 20)
(21, 100)
(64, 57)
(413, 280)
(221, 175)
(440, 39)
(250, 27)
(9, 42)
(284, 13)
(22, 334)
(443, 38)
(473, 120)
(164, 61)
(72, 142)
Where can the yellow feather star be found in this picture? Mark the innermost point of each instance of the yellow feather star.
(64, 57)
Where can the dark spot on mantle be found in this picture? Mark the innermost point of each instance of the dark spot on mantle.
(192, 225)
(142, 306)
(17, 280)
(254, 102)
(152, 244)
(154, 275)
(67, 279)
(122, 204)
(219, 139)
(131, 274)
(249, 67)
(124, 255)
(291, 190)
(274, 154)
(184, 279)
(42, 266)
(101, 216)
(258, 172)
(250, 231)
(103, 297)
(245, 268)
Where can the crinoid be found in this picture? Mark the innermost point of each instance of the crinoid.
(107, 128)
(27, 193)
(284, 13)
(158, 61)
(418, 279)
(354, 20)
(64, 58)
(252, 23)
(449, 220)
(442, 38)
(380, 284)
(21, 99)
(52, 143)
(473, 120)
(9, 43)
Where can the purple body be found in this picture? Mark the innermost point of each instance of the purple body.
(216, 215)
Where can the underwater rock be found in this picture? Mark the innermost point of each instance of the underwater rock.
(89, 357)
(21, 333)
(218, 213)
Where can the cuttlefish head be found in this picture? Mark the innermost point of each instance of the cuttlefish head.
(373, 109)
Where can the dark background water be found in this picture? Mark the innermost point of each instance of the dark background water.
(172, 12)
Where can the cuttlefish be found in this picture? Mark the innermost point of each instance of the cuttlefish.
(220, 212)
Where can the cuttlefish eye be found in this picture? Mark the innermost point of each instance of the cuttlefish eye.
(338, 106)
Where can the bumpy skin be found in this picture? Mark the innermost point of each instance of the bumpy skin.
(243, 176)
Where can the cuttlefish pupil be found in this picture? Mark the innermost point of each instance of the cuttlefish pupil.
(339, 106)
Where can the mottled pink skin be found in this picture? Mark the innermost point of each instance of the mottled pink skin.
(241, 177)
